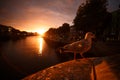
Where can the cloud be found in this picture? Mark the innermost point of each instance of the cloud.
(20, 13)
(38, 10)
(113, 5)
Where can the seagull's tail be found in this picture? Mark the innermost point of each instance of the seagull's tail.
(60, 50)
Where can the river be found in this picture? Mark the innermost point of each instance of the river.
(26, 56)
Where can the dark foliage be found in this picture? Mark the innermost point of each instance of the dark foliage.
(62, 31)
(92, 16)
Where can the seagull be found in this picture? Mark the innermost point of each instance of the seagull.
(81, 46)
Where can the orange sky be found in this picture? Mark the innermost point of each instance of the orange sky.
(32, 15)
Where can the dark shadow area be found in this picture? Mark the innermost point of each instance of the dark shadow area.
(7, 72)
(114, 65)
(102, 49)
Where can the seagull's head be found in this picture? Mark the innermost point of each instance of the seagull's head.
(89, 35)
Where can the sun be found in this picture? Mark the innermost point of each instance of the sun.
(41, 31)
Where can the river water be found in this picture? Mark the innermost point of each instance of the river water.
(26, 56)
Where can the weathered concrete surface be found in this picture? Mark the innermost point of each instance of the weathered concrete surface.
(109, 68)
(106, 68)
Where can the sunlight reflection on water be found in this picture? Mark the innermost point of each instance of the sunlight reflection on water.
(40, 46)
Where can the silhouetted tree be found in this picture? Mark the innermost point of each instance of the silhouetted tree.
(64, 28)
(92, 16)
(61, 32)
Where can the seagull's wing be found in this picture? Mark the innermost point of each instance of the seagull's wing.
(78, 43)
(75, 46)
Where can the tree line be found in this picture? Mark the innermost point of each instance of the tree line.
(10, 33)
(91, 16)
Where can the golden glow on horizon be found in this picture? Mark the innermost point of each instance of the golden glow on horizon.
(41, 31)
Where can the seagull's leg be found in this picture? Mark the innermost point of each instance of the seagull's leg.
(81, 55)
(74, 56)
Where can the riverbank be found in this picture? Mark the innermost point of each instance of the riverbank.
(55, 43)
(106, 68)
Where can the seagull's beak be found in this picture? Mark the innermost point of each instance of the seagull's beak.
(61, 50)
